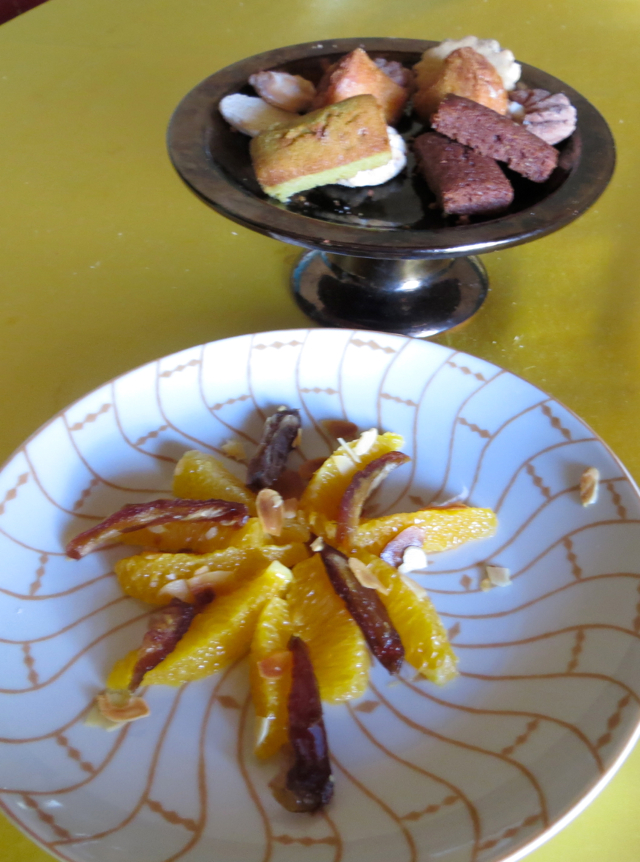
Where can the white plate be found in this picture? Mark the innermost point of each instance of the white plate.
(485, 768)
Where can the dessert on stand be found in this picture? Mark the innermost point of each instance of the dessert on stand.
(482, 153)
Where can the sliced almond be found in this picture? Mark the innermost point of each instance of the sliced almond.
(275, 666)
(393, 551)
(589, 486)
(342, 428)
(317, 544)
(414, 559)
(485, 585)
(235, 450)
(208, 578)
(498, 576)
(366, 577)
(347, 451)
(365, 442)
(176, 590)
(94, 718)
(344, 463)
(269, 505)
(414, 586)
(121, 706)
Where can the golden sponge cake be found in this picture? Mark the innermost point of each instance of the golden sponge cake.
(327, 145)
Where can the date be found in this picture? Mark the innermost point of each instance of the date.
(166, 626)
(138, 515)
(366, 608)
(361, 486)
(279, 436)
(308, 785)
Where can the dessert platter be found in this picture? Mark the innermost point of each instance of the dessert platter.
(495, 700)
(396, 161)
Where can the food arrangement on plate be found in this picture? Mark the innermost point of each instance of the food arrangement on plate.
(288, 571)
(342, 130)
(544, 703)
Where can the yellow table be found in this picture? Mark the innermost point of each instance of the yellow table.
(109, 262)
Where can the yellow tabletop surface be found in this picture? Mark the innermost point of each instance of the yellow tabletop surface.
(108, 261)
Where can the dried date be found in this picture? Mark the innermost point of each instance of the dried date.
(308, 785)
(361, 486)
(279, 435)
(166, 626)
(138, 515)
(366, 608)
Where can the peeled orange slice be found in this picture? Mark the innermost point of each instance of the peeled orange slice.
(253, 536)
(425, 640)
(322, 495)
(222, 633)
(270, 693)
(121, 673)
(144, 575)
(337, 647)
(444, 528)
(199, 537)
(199, 476)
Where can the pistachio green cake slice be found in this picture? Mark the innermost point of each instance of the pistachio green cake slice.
(324, 146)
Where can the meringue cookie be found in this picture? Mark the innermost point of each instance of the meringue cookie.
(251, 115)
(378, 176)
(502, 59)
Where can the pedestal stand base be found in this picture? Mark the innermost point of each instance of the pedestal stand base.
(411, 297)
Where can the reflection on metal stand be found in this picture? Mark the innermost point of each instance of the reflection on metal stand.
(412, 297)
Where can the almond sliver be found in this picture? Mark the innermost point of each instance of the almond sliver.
(499, 576)
(366, 577)
(121, 706)
(269, 505)
(589, 486)
(176, 590)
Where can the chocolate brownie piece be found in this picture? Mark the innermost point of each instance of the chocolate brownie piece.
(495, 136)
(464, 182)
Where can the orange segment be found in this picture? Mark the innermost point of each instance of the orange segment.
(222, 632)
(444, 528)
(416, 620)
(144, 575)
(337, 647)
(197, 536)
(122, 671)
(324, 492)
(199, 476)
(253, 536)
(271, 636)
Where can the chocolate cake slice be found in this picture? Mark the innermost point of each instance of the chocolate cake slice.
(463, 181)
(495, 136)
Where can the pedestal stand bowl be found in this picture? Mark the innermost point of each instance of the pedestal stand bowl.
(382, 258)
